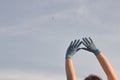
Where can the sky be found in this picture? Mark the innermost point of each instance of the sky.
(34, 36)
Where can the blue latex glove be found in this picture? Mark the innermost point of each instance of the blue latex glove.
(73, 48)
(90, 46)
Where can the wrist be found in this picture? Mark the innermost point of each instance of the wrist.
(97, 52)
(68, 56)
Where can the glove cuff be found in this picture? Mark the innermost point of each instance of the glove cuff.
(68, 56)
(97, 51)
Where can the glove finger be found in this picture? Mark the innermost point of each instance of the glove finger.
(84, 42)
(78, 49)
(79, 44)
(71, 43)
(78, 41)
(88, 42)
(84, 48)
(87, 49)
(74, 43)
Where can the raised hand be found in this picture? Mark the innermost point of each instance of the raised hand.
(73, 48)
(90, 46)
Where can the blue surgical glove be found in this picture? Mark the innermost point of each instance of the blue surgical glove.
(90, 46)
(73, 48)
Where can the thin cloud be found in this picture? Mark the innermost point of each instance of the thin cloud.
(48, 27)
(27, 75)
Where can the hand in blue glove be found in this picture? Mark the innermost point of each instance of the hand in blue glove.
(73, 48)
(90, 46)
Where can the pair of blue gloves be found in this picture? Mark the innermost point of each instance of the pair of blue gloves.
(87, 42)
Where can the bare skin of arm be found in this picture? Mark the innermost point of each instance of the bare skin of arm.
(106, 67)
(70, 69)
(102, 60)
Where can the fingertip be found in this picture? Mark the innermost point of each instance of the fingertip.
(71, 43)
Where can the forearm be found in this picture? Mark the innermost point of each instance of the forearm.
(106, 67)
(72, 49)
(70, 73)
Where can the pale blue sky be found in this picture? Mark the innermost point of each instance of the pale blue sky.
(34, 36)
